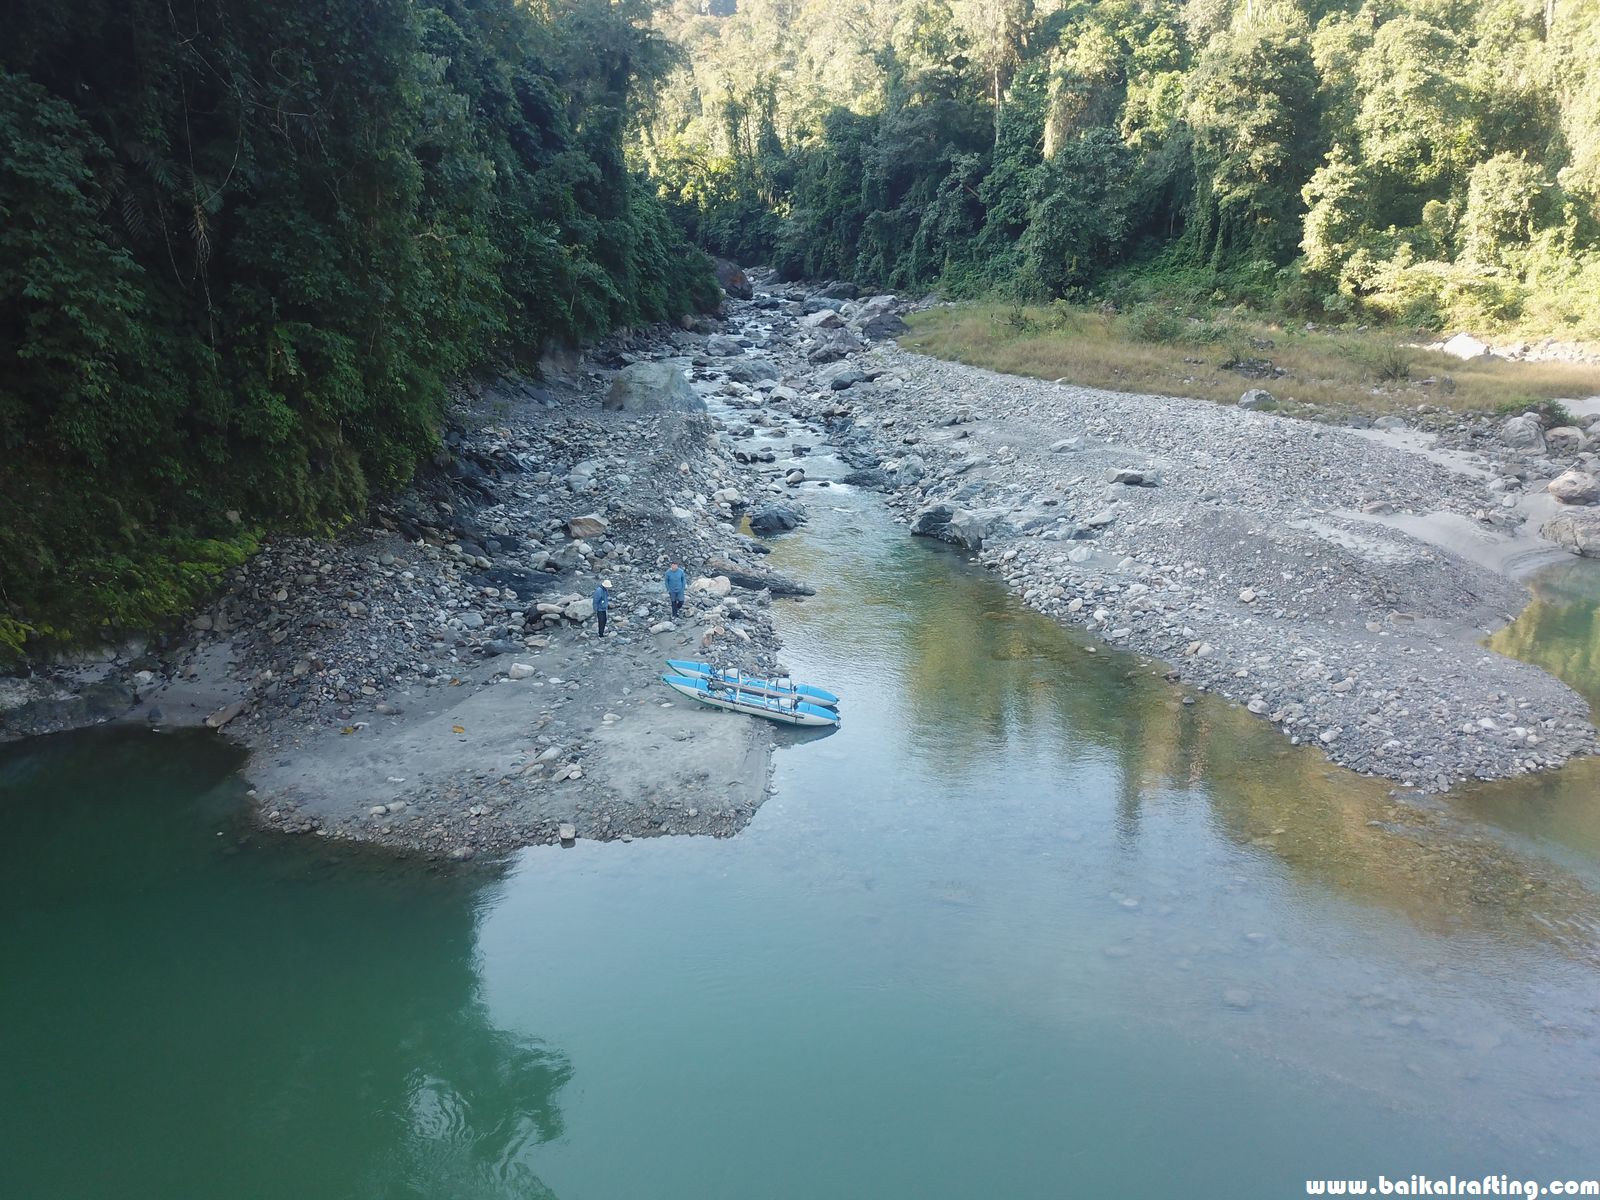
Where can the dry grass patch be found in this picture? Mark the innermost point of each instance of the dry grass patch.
(1156, 351)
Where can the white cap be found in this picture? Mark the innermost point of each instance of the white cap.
(605, 583)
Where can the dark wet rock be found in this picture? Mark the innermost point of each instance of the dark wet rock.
(97, 702)
(959, 526)
(733, 279)
(775, 518)
(874, 478)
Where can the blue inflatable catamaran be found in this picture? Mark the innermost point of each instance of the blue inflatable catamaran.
(780, 700)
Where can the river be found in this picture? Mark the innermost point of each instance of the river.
(1027, 925)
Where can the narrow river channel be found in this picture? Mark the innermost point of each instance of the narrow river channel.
(1026, 926)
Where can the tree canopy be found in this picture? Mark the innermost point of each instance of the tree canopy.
(1427, 161)
(244, 246)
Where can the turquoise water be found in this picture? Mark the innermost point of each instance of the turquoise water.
(1026, 926)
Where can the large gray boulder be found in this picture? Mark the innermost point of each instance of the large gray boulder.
(833, 345)
(842, 377)
(1523, 433)
(1566, 439)
(751, 370)
(1575, 487)
(652, 388)
(826, 318)
(1258, 400)
(1577, 530)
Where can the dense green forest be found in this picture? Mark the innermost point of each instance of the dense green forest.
(244, 244)
(1423, 161)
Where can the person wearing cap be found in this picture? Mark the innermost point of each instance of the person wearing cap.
(602, 604)
(677, 585)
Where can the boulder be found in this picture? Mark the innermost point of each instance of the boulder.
(882, 325)
(1466, 347)
(963, 527)
(578, 610)
(719, 345)
(652, 388)
(844, 376)
(1565, 439)
(716, 586)
(834, 345)
(825, 318)
(1575, 487)
(590, 525)
(1577, 530)
(873, 478)
(733, 279)
(1523, 433)
(1258, 400)
(911, 469)
(756, 581)
(751, 370)
(876, 317)
(1390, 423)
(775, 518)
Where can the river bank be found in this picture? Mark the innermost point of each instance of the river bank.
(1336, 581)
(433, 682)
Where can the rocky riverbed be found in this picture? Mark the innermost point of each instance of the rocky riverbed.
(1336, 581)
(432, 681)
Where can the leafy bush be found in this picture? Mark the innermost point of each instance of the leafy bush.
(1153, 323)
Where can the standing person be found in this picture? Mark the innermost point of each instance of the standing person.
(677, 585)
(602, 605)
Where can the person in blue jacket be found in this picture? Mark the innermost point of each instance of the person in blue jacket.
(677, 585)
(602, 605)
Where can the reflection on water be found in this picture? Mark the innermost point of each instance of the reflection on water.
(1560, 629)
(227, 1018)
(978, 668)
(1025, 925)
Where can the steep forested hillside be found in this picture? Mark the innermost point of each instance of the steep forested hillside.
(1424, 160)
(244, 243)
